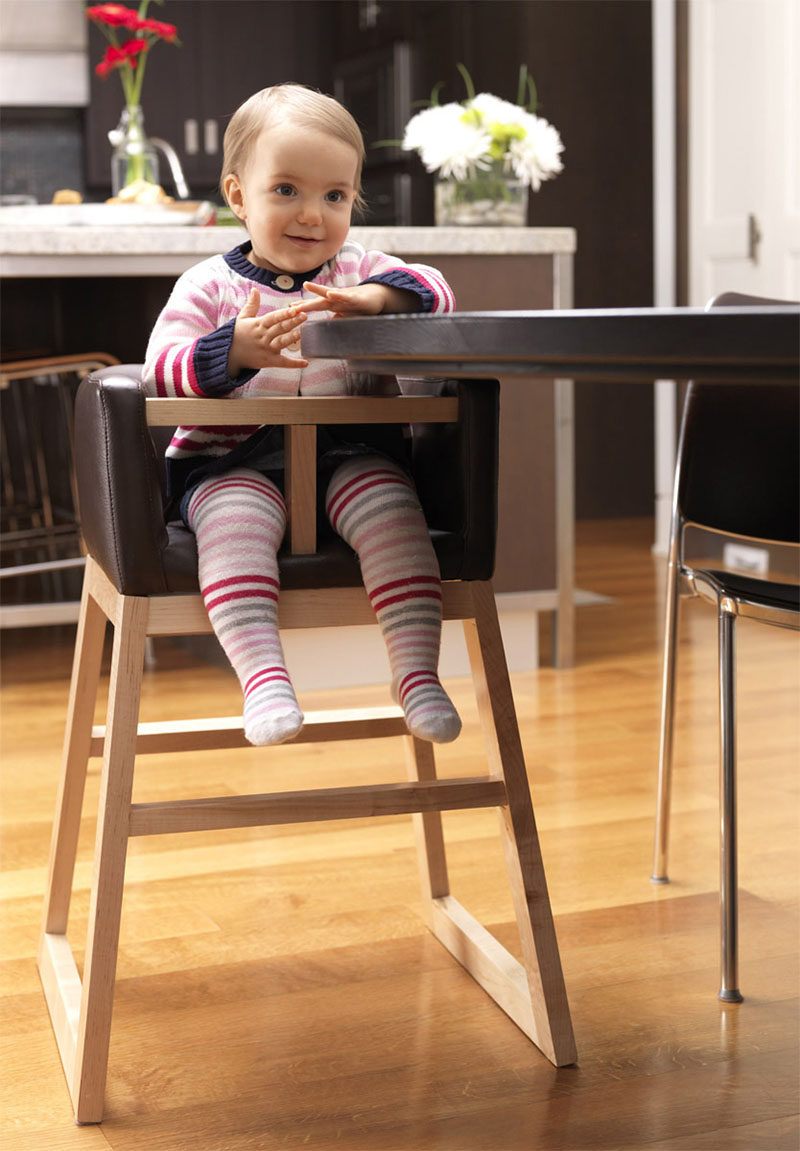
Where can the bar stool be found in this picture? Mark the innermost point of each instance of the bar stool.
(41, 523)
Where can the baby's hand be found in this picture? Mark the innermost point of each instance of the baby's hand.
(261, 341)
(361, 300)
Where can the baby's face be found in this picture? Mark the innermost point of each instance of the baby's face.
(295, 197)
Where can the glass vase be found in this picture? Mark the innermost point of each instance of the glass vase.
(491, 198)
(134, 156)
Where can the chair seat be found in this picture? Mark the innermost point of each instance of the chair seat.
(743, 589)
(334, 564)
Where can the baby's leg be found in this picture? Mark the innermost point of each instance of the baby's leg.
(239, 519)
(372, 504)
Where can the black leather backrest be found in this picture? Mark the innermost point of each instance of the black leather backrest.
(739, 453)
(119, 485)
(740, 459)
(119, 475)
(455, 471)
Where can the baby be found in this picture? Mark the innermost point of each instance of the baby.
(291, 173)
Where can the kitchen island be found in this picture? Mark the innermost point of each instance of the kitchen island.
(93, 286)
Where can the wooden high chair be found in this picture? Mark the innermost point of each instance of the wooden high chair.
(141, 576)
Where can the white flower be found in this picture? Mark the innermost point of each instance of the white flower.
(446, 143)
(497, 111)
(458, 140)
(538, 156)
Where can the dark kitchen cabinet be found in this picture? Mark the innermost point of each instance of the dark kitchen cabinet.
(229, 49)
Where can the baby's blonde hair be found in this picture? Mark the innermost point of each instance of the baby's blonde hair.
(302, 106)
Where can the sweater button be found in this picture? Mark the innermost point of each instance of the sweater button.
(284, 282)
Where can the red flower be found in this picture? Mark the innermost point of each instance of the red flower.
(158, 28)
(117, 57)
(117, 15)
(128, 58)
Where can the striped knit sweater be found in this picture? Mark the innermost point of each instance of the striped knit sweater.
(188, 350)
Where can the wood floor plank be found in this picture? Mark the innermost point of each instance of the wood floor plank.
(277, 988)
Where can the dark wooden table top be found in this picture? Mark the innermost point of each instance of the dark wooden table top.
(733, 344)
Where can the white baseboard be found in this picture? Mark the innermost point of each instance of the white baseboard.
(323, 658)
(332, 657)
(320, 658)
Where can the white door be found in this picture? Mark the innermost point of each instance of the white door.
(744, 148)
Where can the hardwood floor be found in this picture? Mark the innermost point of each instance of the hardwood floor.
(276, 987)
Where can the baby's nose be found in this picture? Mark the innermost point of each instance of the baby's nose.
(309, 212)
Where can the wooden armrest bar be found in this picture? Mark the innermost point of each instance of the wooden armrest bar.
(303, 410)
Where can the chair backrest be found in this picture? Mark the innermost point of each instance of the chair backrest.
(739, 455)
(120, 482)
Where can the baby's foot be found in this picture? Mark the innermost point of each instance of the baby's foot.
(427, 707)
(271, 711)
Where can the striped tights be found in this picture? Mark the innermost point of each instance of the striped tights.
(239, 520)
(371, 503)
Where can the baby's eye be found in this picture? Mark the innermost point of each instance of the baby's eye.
(285, 190)
(335, 197)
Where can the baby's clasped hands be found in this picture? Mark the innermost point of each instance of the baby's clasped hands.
(263, 341)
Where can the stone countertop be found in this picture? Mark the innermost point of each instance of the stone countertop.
(169, 250)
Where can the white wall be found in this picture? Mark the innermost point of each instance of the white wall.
(43, 47)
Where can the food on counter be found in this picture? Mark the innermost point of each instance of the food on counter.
(67, 196)
(141, 192)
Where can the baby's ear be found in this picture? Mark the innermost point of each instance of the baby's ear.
(234, 194)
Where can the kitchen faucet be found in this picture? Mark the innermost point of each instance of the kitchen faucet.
(175, 168)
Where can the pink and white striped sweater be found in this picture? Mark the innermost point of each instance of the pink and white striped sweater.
(187, 354)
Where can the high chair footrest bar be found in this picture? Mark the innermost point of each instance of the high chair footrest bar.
(311, 806)
(228, 731)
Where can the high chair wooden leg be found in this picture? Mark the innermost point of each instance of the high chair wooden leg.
(75, 759)
(532, 993)
(81, 1009)
(102, 942)
(421, 764)
(546, 1010)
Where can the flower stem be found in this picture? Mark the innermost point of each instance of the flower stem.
(465, 76)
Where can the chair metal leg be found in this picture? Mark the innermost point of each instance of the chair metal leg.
(664, 792)
(729, 880)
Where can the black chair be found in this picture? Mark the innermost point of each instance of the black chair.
(738, 474)
(141, 575)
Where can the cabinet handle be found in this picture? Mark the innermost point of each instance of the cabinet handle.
(191, 137)
(211, 137)
(754, 238)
